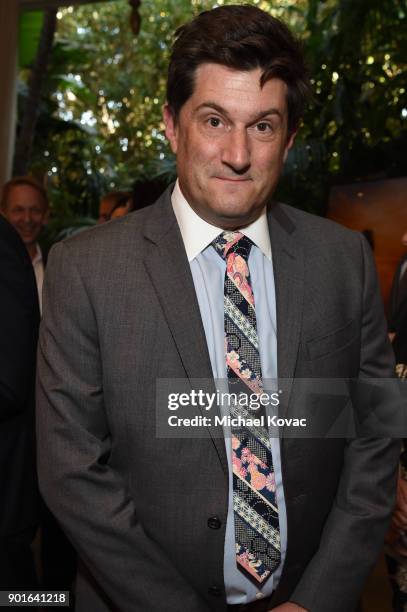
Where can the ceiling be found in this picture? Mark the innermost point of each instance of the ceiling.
(42, 4)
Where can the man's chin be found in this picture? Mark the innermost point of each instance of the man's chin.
(28, 240)
(232, 217)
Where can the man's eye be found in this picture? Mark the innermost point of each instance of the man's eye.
(263, 126)
(214, 122)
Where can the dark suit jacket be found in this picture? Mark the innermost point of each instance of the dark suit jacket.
(394, 294)
(400, 328)
(19, 320)
(120, 312)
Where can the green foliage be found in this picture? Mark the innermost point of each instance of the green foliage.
(29, 36)
(356, 127)
(62, 144)
(125, 76)
(101, 129)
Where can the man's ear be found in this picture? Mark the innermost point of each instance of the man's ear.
(289, 144)
(170, 128)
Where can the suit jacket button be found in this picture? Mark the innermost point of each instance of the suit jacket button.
(215, 591)
(214, 522)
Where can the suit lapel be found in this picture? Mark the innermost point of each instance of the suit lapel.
(168, 268)
(288, 265)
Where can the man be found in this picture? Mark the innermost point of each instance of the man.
(397, 549)
(24, 203)
(19, 320)
(249, 522)
(399, 286)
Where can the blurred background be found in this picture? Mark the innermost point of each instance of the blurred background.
(90, 82)
(82, 85)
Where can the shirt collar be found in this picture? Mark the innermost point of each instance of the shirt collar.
(197, 234)
(38, 255)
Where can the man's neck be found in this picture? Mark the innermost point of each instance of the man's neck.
(32, 250)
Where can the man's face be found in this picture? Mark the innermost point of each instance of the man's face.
(231, 141)
(404, 239)
(27, 211)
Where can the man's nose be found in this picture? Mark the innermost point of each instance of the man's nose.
(27, 218)
(236, 151)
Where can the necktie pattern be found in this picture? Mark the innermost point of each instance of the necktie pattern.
(257, 534)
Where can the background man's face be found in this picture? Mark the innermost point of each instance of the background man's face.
(404, 239)
(27, 211)
(230, 140)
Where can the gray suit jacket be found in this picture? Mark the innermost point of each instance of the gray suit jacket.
(120, 311)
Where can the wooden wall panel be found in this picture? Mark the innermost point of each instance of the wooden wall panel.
(381, 207)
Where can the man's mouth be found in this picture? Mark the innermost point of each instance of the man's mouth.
(233, 179)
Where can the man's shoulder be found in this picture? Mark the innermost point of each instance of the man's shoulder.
(118, 236)
(9, 234)
(315, 230)
(16, 272)
(11, 243)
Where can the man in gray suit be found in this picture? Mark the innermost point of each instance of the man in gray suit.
(214, 281)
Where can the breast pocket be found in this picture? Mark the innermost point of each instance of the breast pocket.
(332, 342)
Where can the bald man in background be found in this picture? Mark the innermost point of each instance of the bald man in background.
(24, 203)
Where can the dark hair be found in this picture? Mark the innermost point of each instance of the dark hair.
(22, 180)
(146, 192)
(244, 38)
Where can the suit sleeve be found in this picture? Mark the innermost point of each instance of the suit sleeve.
(18, 326)
(88, 497)
(355, 528)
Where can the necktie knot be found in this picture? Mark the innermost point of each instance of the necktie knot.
(232, 242)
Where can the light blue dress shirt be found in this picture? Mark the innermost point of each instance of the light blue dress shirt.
(208, 273)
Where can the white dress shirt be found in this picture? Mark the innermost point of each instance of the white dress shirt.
(38, 266)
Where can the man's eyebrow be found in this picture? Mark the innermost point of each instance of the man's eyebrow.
(223, 111)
